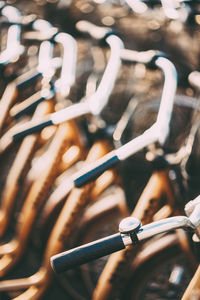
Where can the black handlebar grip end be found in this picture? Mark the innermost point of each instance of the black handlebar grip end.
(28, 108)
(91, 173)
(83, 254)
(33, 129)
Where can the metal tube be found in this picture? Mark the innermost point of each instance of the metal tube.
(163, 226)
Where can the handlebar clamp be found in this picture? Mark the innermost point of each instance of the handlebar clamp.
(130, 226)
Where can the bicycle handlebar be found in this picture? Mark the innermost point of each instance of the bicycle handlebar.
(86, 253)
(157, 132)
(131, 232)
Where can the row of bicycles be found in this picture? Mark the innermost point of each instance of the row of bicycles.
(99, 150)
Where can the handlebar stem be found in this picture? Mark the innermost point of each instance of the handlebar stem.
(131, 232)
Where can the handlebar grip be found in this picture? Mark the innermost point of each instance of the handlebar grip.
(31, 127)
(83, 254)
(91, 172)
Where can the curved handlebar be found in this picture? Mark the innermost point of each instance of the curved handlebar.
(131, 232)
(157, 132)
(155, 58)
(83, 254)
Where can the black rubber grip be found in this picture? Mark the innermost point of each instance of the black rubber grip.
(30, 128)
(83, 254)
(28, 108)
(91, 172)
